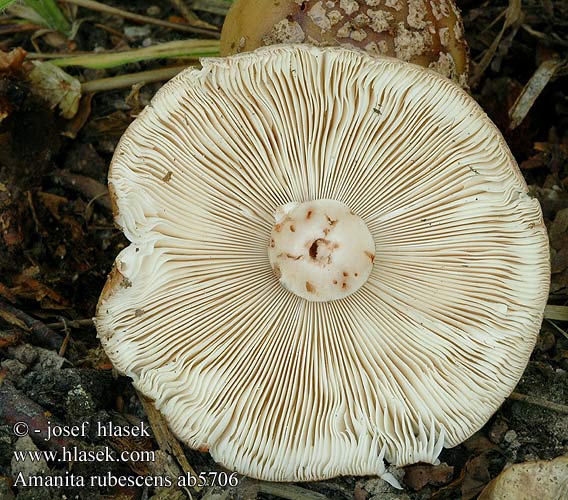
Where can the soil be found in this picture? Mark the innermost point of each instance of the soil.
(58, 243)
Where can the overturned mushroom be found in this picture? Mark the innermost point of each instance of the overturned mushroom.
(424, 32)
(294, 150)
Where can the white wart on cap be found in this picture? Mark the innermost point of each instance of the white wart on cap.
(281, 387)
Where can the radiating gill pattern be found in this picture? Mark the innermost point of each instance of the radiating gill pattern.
(282, 388)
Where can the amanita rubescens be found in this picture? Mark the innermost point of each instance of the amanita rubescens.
(415, 353)
(424, 32)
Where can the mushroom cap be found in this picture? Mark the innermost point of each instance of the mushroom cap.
(278, 387)
(425, 32)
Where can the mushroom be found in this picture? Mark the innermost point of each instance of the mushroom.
(370, 170)
(424, 32)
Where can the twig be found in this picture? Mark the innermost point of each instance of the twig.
(513, 18)
(164, 437)
(17, 410)
(289, 491)
(543, 36)
(182, 49)
(107, 9)
(72, 323)
(90, 188)
(39, 330)
(125, 81)
(189, 15)
(543, 403)
(220, 7)
(9, 29)
(66, 340)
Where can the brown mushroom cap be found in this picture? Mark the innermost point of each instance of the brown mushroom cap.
(425, 32)
(279, 387)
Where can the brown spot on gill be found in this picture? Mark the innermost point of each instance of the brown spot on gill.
(309, 287)
(370, 255)
(292, 228)
(330, 220)
(309, 214)
(278, 228)
(272, 243)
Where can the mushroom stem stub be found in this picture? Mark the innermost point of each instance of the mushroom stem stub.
(320, 250)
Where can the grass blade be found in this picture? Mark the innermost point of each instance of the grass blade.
(5, 3)
(52, 16)
(189, 49)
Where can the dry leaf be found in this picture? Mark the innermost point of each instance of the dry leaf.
(476, 477)
(420, 475)
(11, 62)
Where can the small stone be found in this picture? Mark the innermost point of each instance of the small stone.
(530, 481)
(137, 32)
(153, 11)
(28, 467)
(510, 436)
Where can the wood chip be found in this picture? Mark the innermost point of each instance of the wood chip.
(164, 437)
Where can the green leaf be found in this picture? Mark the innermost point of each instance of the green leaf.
(51, 15)
(5, 3)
